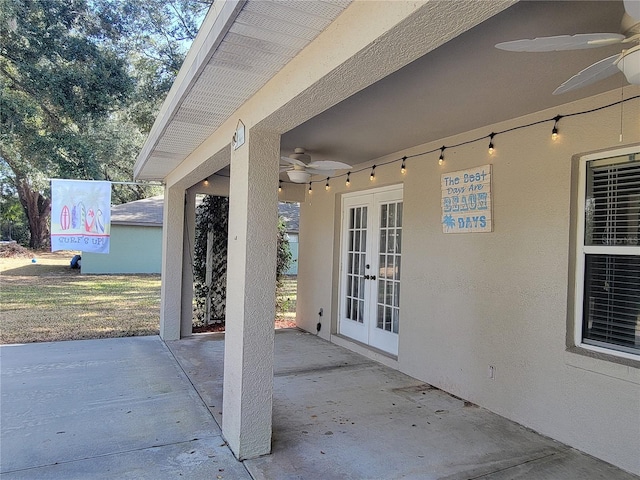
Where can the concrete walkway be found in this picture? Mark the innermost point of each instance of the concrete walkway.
(105, 409)
(124, 408)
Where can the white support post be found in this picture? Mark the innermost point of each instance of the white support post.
(251, 286)
(188, 249)
(172, 262)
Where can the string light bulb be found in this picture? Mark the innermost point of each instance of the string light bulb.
(372, 177)
(326, 187)
(205, 182)
(491, 148)
(554, 132)
(348, 182)
(310, 189)
(403, 168)
(441, 159)
(279, 185)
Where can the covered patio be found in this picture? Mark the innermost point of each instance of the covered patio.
(140, 408)
(495, 306)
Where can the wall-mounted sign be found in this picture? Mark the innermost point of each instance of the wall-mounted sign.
(238, 136)
(466, 200)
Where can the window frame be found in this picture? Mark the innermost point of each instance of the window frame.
(582, 250)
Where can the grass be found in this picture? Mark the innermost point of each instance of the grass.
(286, 298)
(48, 301)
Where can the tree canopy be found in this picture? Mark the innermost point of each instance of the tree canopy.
(80, 84)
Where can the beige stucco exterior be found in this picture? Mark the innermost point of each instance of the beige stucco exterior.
(467, 301)
(501, 298)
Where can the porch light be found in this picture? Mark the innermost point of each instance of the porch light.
(326, 187)
(491, 143)
(403, 169)
(348, 182)
(372, 177)
(441, 159)
(554, 132)
(298, 176)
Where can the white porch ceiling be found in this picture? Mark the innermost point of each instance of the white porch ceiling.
(463, 85)
(262, 38)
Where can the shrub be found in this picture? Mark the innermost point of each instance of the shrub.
(212, 219)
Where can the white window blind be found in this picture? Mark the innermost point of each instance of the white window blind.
(611, 309)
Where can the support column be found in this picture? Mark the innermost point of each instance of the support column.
(188, 248)
(251, 288)
(172, 252)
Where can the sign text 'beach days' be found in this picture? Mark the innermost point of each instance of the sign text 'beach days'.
(466, 200)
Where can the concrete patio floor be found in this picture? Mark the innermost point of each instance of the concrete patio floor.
(124, 408)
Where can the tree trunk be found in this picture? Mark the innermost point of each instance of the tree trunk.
(37, 208)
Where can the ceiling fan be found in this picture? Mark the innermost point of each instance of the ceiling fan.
(299, 166)
(628, 61)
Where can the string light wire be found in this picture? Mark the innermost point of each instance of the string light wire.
(554, 119)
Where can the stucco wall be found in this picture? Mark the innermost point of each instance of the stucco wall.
(133, 249)
(473, 300)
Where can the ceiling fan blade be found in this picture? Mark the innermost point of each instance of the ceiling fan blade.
(562, 42)
(328, 165)
(293, 161)
(326, 173)
(592, 74)
(632, 7)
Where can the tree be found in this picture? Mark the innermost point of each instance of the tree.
(212, 219)
(80, 84)
(57, 83)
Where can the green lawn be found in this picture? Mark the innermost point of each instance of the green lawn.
(47, 301)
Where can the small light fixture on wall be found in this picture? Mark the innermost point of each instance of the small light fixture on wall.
(279, 185)
(372, 177)
(403, 168)
(441, 159)
(491, 148)
(326, 187)
(310, 189)
(348, 182)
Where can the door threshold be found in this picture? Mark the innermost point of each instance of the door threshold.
(365, 350)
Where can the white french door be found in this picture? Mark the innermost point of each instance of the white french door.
(370, 267)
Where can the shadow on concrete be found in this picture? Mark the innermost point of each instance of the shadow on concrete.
(124, 408)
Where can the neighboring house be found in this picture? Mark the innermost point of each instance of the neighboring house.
(290, 213)
(531, 310)
(136, 240)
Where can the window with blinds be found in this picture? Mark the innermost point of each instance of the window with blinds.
(611, 300)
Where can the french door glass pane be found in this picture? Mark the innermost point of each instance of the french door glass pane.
(357, 245)
(389, 267)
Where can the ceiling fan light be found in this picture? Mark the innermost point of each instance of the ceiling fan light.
(298, 176)
(629, 64)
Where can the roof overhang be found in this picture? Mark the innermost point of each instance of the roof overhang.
(240, 46)
(429, 72)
